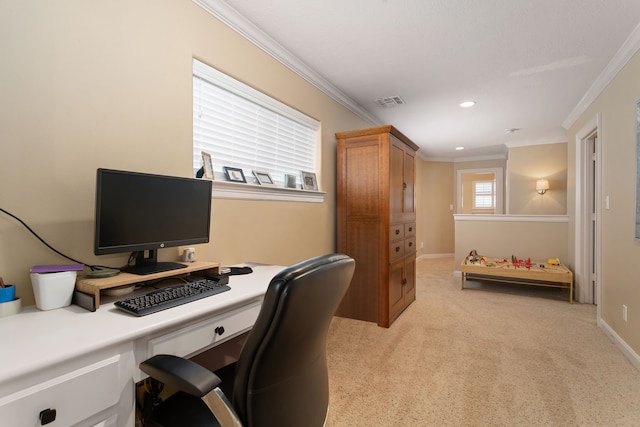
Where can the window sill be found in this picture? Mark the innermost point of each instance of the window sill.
(234, 190)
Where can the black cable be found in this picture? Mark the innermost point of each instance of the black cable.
(48, 245)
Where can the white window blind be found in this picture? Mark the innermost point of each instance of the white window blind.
(243, 128)
(484, 194)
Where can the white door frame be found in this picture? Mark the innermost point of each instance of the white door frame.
(583, 251)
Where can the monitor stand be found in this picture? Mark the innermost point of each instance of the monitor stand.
(149, 265)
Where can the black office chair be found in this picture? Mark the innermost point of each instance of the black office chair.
(281, 377)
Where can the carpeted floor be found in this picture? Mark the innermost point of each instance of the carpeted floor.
(499, 355)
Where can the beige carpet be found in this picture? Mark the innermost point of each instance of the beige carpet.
(500, 355)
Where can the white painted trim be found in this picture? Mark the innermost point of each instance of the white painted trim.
(435, 256)
(582, 218)
(619, 60)
(512, 218)
(230, 17)
(234, 190)
(628, 352)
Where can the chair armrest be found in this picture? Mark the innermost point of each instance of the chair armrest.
(180, 373)
(191, 378)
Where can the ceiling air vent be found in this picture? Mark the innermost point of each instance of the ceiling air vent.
(390, 101)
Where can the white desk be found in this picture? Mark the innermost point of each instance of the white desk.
(85, 364)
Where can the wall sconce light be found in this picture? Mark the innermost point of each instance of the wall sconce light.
(542, 185)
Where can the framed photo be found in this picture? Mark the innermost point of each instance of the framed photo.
(290, 181)
(207, 164)
(234, 174)
(309, 181)
(263, 178)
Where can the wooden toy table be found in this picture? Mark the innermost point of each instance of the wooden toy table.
(501, 270)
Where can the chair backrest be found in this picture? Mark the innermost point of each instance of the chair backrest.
(281, 376)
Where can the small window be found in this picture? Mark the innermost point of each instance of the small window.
(484, 194)
(241, 127)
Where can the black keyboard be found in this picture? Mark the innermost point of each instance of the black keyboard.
(171, 296)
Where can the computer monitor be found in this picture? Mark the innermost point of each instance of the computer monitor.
(138, 212)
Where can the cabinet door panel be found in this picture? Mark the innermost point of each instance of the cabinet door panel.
(396, 179)
(410, 276)
(362, 189)
(409, 202)
(396, 290)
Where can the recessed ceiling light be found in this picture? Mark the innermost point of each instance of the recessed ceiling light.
(459, 148)
(467, 104)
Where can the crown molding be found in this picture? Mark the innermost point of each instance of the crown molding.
(619, 60)
(234, 20)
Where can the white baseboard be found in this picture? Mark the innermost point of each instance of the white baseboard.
(628, 352)
(433, 256)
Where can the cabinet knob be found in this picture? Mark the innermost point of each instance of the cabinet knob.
(47, 416)
(410, 228)
(404, 185)
(397, 248)
(410, 244)
(397, 231)
(219, 330)
(404, 281)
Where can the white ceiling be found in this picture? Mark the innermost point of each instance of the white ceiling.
(529, 64)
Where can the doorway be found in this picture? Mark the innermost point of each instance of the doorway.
(588, 214)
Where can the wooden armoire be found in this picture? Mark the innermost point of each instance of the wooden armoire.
(376, 221)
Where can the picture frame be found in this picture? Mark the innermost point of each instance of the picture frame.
(234, 174)
(263, 177)
(309, 181)
(290, 180)
(207, 164)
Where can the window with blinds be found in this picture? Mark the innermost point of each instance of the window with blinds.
(241, 127)
(484, 194)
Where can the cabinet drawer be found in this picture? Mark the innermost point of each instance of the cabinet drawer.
(396, 250)
(396, 232)
(410, 229)
(410, 245)
(74, 396)
(188, 340)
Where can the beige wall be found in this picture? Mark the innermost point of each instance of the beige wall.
(526, 166)
(108, 84)
(620, 251)
(434, 188)
(500, 236)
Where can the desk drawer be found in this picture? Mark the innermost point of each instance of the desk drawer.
(200, 336)
(410, 229)
(410, 245)
(74, 396)
(396, 250)
(396, 232)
